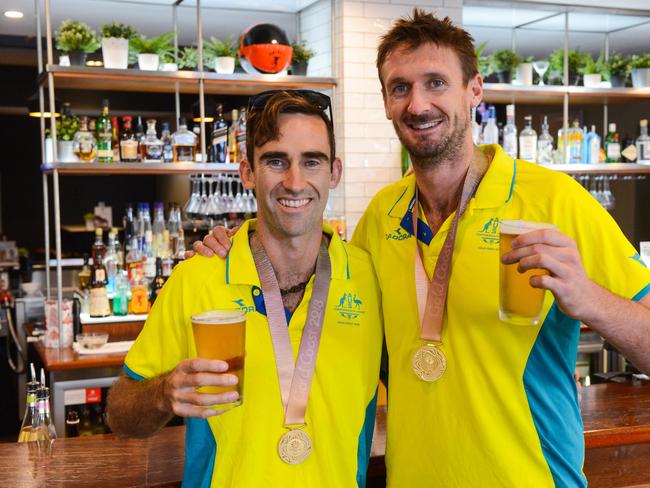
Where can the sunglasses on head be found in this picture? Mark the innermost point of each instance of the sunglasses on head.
(316, 99)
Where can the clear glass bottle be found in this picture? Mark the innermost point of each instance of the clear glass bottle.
(491, 131)
(612, 145)
(84, 142)
(219, 146)
(104, 135)
(575, 142)
(476, 128)
(28, 427)
(128, 142)
(545, 145)
(121, 297)
(153, 145)
(528, 140)
(139, 136)
(184, 143)
(591, 147)
(510, 133)
(110, 261)
(233, 156)
(166, 139)
(84, 275)
(643, 144)
(241, 135)
(158, 227)
(48, 430)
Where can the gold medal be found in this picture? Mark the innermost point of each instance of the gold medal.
(429, 363)
(294, 446)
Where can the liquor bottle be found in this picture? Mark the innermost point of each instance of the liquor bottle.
(241, 135)
(148, 258)
(612, 145)
(476, 129)
(115, 141)
(139, 303)
(232, 137)
(158, 227)
(133, 260)
(643, 144)
(84, 274)
(99, 306)
(153, 145)
(545, 145)
(219, 145)
(128, 142)
(166, 256)
(84, 142)
(179, 254)
(121, 297)
(491, 131)
(110, 261)
(166, 139)
(184, 143)
(28, 427)
(575, 142)
(72, 424)
(104, 135)
(528, 140)
(510, 133)
(98, 245)
(590, 147)
(85, 425)
(139, 136)
(157, 283)
(196, 130)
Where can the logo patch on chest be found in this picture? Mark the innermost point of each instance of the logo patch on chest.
(489, 235)
(350, 308)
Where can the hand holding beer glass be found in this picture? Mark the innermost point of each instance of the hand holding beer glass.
(519, 302)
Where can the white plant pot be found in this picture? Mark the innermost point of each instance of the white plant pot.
(115, 52)
(641, 77)
(224, 65)
(65, 152)
(592, 80)
(148, 62)
(64, 60)
(524, 74)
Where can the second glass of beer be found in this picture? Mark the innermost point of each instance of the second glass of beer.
(221, 334)
(519, 302)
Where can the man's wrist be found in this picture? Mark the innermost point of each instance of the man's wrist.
(162, 402)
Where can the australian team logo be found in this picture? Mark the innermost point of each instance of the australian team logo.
(489, 233)
(350, 308)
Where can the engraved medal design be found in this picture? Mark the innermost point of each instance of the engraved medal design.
(429, 363)
(294, 446)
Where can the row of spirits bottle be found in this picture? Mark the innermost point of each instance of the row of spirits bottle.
(583, 145)
(103, 141)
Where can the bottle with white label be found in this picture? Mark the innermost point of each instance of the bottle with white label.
(643, 144)
(491, 131)
(528, 141)
(510, 133)
(592, 143)
(545, 145)
(612, 145)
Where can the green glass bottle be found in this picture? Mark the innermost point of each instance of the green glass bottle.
(104, 135)
(612, 145)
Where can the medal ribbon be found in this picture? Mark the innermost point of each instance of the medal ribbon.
(432, 295)
(295, 381)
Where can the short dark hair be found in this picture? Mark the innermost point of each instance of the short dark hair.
(423, 28)
(263, 126)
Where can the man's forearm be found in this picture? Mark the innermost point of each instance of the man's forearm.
(623, 323)
(137, 408)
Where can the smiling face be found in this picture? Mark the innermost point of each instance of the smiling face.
(428, 102)
(292, 176)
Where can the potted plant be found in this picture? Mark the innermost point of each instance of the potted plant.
(524, 72)
(483, 61)
(189, 59)
(224, 53)
(617, 68)
(76, 39)
(591, 70)
(66, 127)
(502, 62)
(300, 58)
(115, 45)
(168, 63)
(640, 64)
(556, 66)
(150, 50)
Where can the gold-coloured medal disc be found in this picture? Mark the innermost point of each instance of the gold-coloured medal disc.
(294, 446)
(429, 363)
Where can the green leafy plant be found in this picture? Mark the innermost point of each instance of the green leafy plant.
(483, 61)
(556, 64)
(161, 45)
(504, 60)
(640, 61)
(301, 53)
(66, 128)
(217, 48)
(617, 65)
(75, 36)
(118, 30)
(588, 66)
(189, 59)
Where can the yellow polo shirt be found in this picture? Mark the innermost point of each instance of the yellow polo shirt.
(506, 411)
(239, 448)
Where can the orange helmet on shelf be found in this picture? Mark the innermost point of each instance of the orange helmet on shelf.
(264, 48)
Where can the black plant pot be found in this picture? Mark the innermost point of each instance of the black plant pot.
(504, 76)
(77, 58)
(618, 80)
(299, 68)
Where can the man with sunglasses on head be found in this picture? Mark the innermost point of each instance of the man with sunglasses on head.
(311, 299)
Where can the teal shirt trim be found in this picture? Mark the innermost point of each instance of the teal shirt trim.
(200, 453)
(365, 442)
(132, 373)
(514, 177)
(644, 291)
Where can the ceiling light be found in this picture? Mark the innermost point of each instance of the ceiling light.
(14, 14)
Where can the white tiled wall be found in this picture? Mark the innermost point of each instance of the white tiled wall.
(366, 140)
(316, 31)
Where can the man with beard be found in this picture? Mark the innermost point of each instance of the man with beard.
(472, 400)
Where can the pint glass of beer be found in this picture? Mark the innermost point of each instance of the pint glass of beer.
(519, 303)
(221, 334)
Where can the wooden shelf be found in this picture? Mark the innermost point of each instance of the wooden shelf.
(602, 169)
(138, 168)
(536, 94)
(133, 80)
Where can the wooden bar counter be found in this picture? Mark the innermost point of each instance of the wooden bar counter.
(617, 436)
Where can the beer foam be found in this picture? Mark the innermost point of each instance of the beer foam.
(522, 226)
(219, 317)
